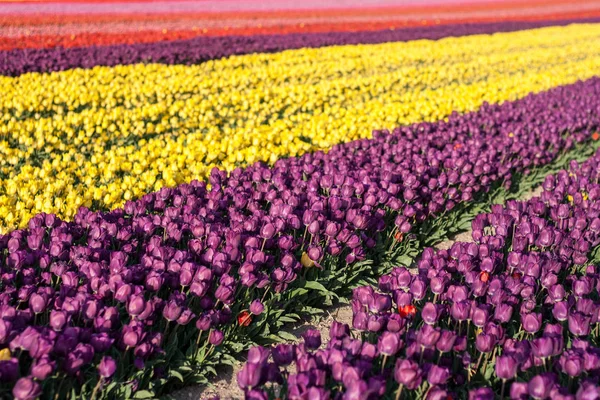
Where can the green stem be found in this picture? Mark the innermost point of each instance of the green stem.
(96, 389)
(399, 391)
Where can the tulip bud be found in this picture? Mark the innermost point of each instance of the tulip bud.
(506, 367)
(312, 339)
(388, 343)
(107, 367)
(216, 337)
(256, 307)
(531, 322)
(27, 389)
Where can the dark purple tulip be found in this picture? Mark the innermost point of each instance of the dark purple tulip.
(9, 370)
(430, 313)
(446, 341)
(408, 373)
(560, 311)
(388, 343)
(283, 354)
(249, 376)
(203, 323)
(531, 322)
(42, 368)
(571, 363)
(381, 303)
(37, 303)
(136, 305)
(438, 375)
(107, 367)
(539, 387)
(360, 321)
(579, 324)
(460, 311)
(101, 342)
(519, 391)
(256, 307)
(483, 393)
(216, 337)
(26, 389)
(58, 320)
(172, 311)
(506, 367)
(312, 339)
(485, 343)
(338, 330)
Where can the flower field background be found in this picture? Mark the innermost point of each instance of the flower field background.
(182, 182)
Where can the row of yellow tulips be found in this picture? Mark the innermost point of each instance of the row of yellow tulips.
(101, 136)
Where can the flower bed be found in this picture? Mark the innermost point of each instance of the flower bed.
(103, 136)
(198, 50)
(512, 314)
(177, 282)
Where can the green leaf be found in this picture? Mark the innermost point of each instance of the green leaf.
(314, 285)
(311, 310)
(144, 394)
(287, 319)
(176, 374)
(297, 292)
(287, 336)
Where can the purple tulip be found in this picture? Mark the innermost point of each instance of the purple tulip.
(37, 303)
(256, 307)
(485, 343)
(26, 389)
(312, 339)
(438, 375)
(136, 305)
(58, 320)
(539, 387)
(531, 322)
(430, 313)
(388, 343)
(216, 337)
(519, 391)
(42, 368)
(408, 373)
(506, 367)
(571, 363)
(283, 354)
(560, 311)
(579, 324)
(483, 393)
(542, 347)
(172, 311)
(446, 341)
(107, 367)
(9, 370)
(250, 376)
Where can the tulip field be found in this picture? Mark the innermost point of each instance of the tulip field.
(182, 183)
